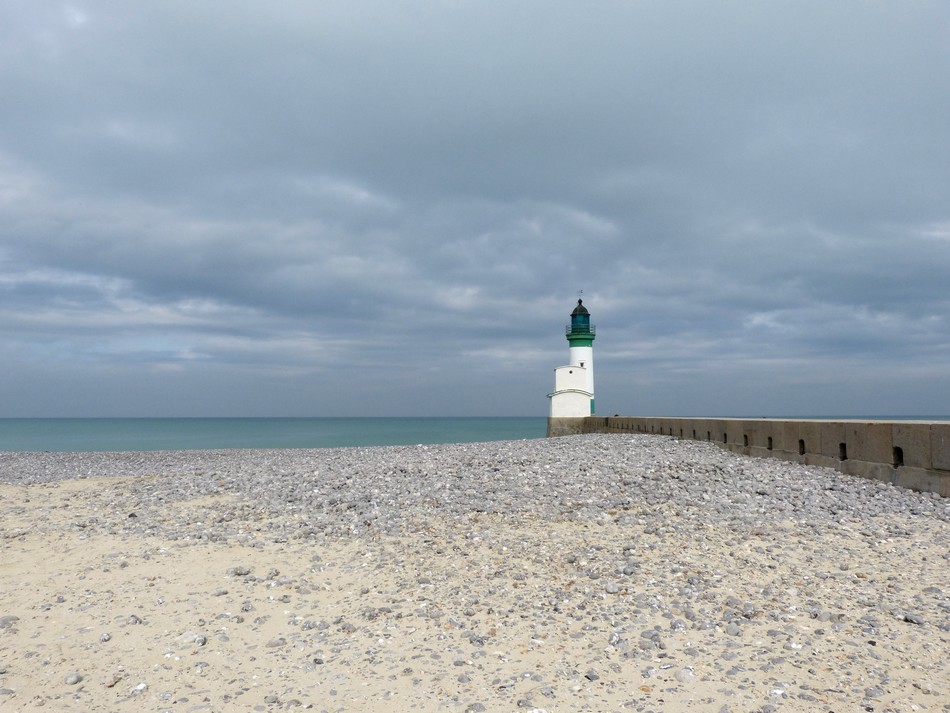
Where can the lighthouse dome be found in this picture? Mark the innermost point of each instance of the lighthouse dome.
(580, 309)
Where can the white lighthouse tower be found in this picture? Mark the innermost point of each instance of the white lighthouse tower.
(573, 395)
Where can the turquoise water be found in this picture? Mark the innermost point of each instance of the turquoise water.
(177, 434)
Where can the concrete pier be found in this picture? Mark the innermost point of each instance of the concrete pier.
(911, 454)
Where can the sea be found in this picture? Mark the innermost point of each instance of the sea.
(184, 434)
(181, 434)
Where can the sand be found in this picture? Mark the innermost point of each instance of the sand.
(466, 612)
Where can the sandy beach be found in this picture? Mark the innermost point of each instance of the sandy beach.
(590, 573)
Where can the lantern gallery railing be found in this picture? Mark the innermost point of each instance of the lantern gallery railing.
(580, 329)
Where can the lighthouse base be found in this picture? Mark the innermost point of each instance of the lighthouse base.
(566, 426)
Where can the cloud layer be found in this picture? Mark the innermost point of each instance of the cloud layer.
(362, 208)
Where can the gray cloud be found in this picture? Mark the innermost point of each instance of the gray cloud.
(360, 208)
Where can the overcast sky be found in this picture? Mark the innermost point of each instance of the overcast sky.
(246, 208)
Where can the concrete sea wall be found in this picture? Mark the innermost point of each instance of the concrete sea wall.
(911, 454)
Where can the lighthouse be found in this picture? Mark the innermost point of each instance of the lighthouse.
(573, 395)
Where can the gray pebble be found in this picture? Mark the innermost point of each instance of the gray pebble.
(684, 675)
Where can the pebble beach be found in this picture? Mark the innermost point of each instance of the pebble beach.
(583, 573)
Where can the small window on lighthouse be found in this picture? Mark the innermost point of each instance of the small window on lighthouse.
(582, 364)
